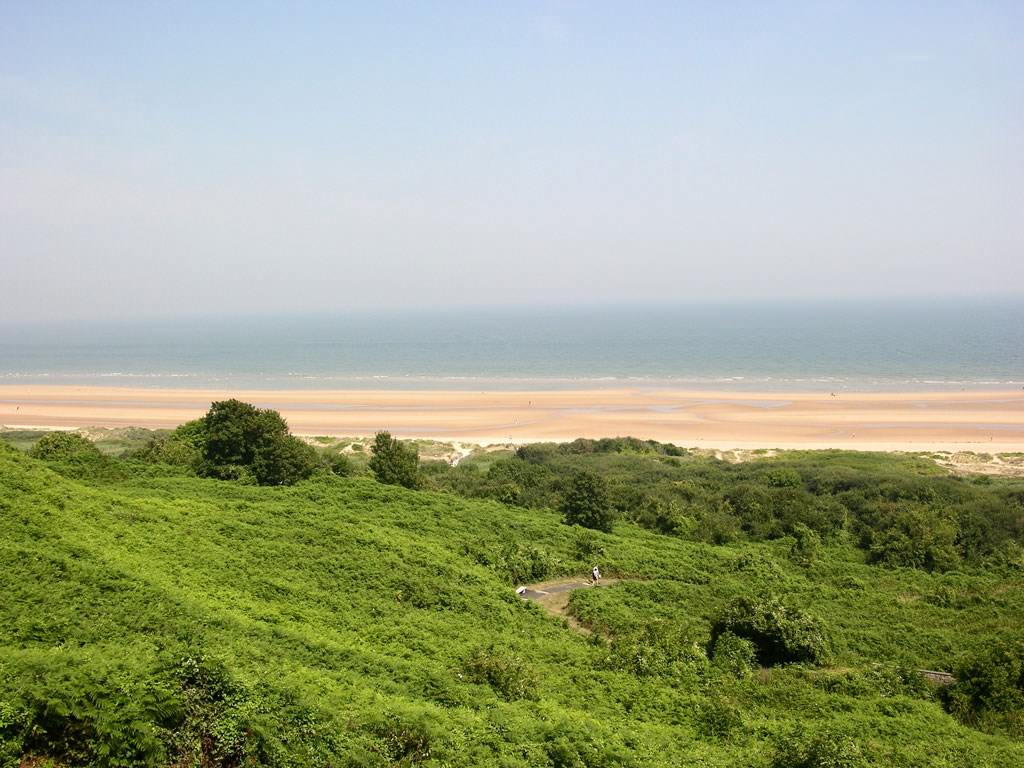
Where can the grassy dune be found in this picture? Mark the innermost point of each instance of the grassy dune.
(153, 617)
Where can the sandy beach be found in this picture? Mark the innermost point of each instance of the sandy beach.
(983, 421)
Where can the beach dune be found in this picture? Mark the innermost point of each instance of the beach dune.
(910, 421)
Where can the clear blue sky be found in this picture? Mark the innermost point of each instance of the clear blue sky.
(252, 157)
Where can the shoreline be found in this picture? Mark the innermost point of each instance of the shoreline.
(976, 420)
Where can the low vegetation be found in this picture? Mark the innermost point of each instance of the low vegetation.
(901, 511)
(221, 602)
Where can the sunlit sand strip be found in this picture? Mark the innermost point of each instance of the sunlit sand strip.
(915, 421)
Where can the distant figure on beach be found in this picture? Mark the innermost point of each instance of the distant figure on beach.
(596, 574)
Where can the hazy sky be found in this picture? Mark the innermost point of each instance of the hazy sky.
(171, 157)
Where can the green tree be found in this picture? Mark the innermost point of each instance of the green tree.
(394, 462)
(235, 431)
(242, 440)
(587, 503)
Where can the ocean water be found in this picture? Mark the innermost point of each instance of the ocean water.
(802, 346)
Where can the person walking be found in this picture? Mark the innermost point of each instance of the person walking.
(596, 574)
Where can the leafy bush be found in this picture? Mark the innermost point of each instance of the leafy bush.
(587, 503)
(394, 462)
(806, 545)
(183, 447)
(658, 648)
(214, 728)
(780, 633)
(283, 461)
(64, 446)
(80, 714)
(507, 674)
(718, 525)
(337, 463)
(734, 655)
(784, 477)
(405, 740)
(76, 456)
(989, 688)
(586, 545)
(583, 743)
(822, 748)
(718, 719)
(523, 563)
(759, 567)
(881, 680)
(915, 538)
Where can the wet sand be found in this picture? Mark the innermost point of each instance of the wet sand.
(904, 421)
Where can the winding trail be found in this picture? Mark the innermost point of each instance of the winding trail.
(553, 596)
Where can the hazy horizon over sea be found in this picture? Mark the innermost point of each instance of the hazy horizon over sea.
(879, 345)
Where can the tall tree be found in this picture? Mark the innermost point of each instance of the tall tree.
(587, 503)
(241, 438)
(394, 462)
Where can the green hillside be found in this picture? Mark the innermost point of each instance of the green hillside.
(150, 616)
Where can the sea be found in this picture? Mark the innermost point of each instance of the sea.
(812, 346)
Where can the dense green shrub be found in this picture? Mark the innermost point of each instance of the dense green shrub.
(718, 524)
(284, 461)
(338, 463)
(806, 545)
(64, 446)
(394, 462)
(870, 496)
(582, 742)
(586, 545)
(784, 477)
(817, 748)
(76, 456)
(83, 714)
(752, 506)
(405, 740)
(735, 655)
(587, 503)
(523, 563)
(780, 633)
(657, 648)
(718, 719)
(915, 538)
(183, 447)
(989, 688)
(882, 680)
(507, 674)
(759, 568)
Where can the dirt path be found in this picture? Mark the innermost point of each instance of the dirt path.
(553, 596)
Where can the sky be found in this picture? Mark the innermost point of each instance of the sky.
(258, 158)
